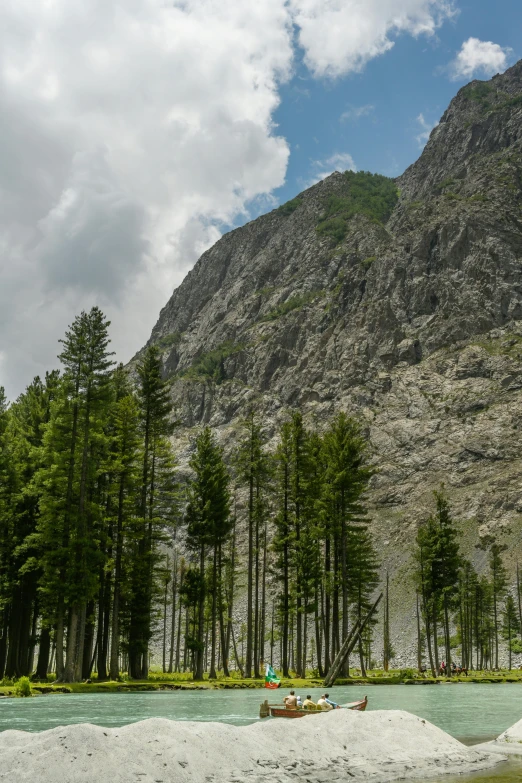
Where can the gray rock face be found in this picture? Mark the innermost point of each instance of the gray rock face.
(413, 326)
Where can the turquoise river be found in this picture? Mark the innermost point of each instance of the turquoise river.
(472, 713)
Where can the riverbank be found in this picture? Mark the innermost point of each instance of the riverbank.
(184, 682)
(324, 747)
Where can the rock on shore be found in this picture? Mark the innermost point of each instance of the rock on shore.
(380, 746)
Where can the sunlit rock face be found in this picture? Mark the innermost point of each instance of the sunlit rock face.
(413, 323)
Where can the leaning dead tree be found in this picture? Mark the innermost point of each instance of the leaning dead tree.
(348, 645)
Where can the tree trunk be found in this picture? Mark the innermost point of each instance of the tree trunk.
(173, 611)
(250, 565)
(87, 656)
(198, 675)
(447, 637)
(262, 630)
(213, 621)
(435, 639)
(344, 590)
(361, 658)
(165, 599)
(222, 627)
(44, 652)
(434, 672)
(419, 639)
(178, 640)
(59, 640)
(519, 601)
(256, 600)
(327, 608)
(495, 621)
(318, 644)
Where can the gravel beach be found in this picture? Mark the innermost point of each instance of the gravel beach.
(380, 746)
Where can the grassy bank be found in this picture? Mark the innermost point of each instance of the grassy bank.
(184, 682)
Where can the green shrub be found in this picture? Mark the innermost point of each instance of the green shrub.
(293, 303)
(290, 206)
(211, 364)
(367, 194)
(480, 93)
(6, 682)
(23, 687)
(407, 674)
(446, 183)
(169, 340)
(367, 262)
(516, 646)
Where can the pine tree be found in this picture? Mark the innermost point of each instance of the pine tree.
(28, 417)
(301, 509)
(284, 538)
(438, 559)
(157, 504)
(253, 470)
(7, 490)
(510, 625)
(498, 587)
(123, 466)
(208, 526)
(347, 475)
(445, 564)
(87, 366)
(363, 578)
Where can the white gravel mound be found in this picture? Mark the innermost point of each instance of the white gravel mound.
(341, 745)
(509, 742)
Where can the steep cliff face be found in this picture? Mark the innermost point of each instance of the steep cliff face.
(411, 322)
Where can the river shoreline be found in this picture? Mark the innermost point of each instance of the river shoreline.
(159, 684)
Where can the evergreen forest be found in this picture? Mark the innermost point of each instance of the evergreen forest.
(107, 554)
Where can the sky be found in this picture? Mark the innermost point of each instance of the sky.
(134, 133)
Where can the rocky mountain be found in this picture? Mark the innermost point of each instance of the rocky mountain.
(397, 301)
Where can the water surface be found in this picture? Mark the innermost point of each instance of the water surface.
(472, 713)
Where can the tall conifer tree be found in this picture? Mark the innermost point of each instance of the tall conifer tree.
(208, 526)
(157, 505)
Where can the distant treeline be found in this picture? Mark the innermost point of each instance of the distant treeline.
(102, 546)
(451, 594)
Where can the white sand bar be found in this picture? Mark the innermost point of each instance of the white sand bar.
(378, 746)
(508, 743)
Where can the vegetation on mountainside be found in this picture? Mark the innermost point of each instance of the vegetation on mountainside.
(290, 206)
(211, 364)
(293, 303)
(489, 99)
(169, 340)
(372, 195)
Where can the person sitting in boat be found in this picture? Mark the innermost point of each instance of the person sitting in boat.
(308, 704)
(290, 701)
(323, 704)
(333, 705)
(299, 702)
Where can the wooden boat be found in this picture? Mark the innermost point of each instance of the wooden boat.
(360, 706)
(276, 711)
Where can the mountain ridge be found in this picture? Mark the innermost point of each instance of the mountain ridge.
(414, 326)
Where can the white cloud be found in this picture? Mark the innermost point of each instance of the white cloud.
(340, 161)
(339, 36)
(135, 132)
(426, 129)
(479, 57)
(355, 113)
